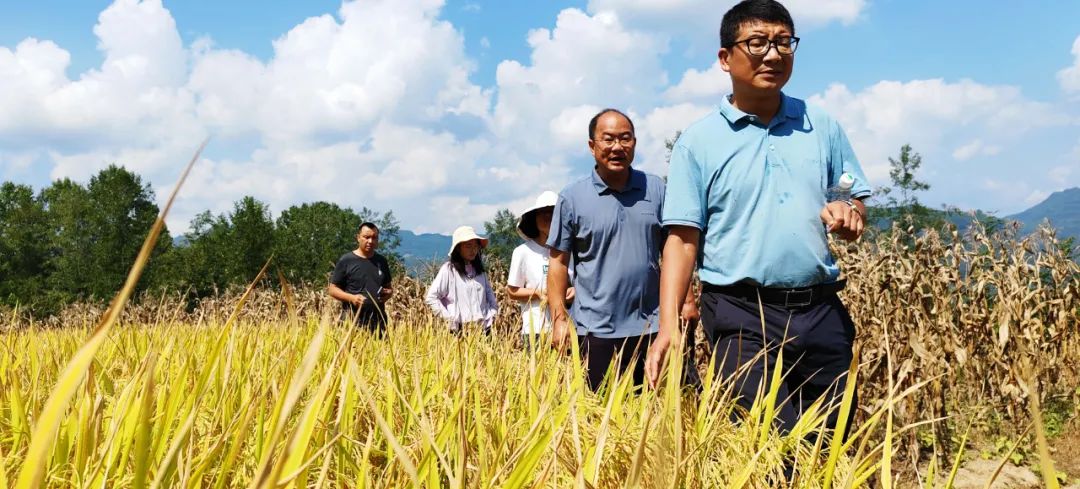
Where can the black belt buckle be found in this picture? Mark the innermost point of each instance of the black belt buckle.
(798, 297)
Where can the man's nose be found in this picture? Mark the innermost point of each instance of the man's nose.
(772, 53)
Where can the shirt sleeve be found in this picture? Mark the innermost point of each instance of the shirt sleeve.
(562, 225)
(516, 277)
(385, 267)
(490, 301)
(338, 276)
(438, 292)
(684, 198)
(842, 160)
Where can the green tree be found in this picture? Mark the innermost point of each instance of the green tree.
(224, 250)
(669, 145)
(121, 214)
(311, 237)
(502, 236)
(199, 266)
(67, 213)
(389, 235)
(250, 239)
(899, 202)
(24, 235)
(96, 233)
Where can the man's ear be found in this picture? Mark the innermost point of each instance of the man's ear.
(723, 56)
(592, 146)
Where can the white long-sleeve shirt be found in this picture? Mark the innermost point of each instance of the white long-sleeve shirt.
(461, 299)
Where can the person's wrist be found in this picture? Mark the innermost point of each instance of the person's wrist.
(853, 206)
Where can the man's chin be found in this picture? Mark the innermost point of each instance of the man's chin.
(617, 165)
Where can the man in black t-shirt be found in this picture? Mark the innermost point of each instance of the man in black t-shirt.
(361, 281)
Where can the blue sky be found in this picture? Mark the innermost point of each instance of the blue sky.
(446, 112)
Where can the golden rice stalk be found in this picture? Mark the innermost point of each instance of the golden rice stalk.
(33, 468)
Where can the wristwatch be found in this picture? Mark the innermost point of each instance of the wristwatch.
(853, 206)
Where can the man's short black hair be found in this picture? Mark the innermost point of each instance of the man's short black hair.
(595, 118)
(748, 12)
(369, 225)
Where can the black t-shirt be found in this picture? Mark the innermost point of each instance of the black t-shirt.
(365, 276)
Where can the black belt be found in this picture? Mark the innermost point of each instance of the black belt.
(795, 297)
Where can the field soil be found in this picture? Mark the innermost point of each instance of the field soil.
(1067, 451)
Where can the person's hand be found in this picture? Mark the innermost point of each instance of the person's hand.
(569, 294)
(655, 359)
(560, 333)
(843, 220)
(357, 300)
(690, 314)
(385, 293)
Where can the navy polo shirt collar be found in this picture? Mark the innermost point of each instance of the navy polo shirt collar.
(637, 181)
(788, 110)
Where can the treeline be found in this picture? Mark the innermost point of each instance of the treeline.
(69, 242)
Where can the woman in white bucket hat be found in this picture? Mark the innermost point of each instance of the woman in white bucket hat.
(527, 278)
(461, 293)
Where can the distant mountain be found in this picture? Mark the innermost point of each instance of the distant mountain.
(418, 249)
(1062, 209)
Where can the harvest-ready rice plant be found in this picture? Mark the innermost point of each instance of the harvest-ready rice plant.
(267, 389)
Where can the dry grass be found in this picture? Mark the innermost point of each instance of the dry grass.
(281, 396)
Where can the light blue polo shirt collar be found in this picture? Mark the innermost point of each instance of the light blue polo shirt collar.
(735, 116)
(637, 181)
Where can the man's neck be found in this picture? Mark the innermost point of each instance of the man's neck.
(615, 180)
(359, 252)
(541, 238)
(764, 106)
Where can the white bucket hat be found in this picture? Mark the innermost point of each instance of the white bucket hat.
(546, 199)
(463, 234)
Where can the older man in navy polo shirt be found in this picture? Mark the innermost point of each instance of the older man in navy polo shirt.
(609, 223)
(752, 178)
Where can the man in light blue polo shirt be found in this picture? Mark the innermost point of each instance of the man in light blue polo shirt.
(748, 183)
(609, 223)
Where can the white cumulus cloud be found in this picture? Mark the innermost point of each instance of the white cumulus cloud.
(679, 17)
(1069, 77)
(709, 84)
(337, 112)
(975, 148)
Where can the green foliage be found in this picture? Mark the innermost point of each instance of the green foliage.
(899, 203)
(669, 145)
(23, 245)
(223, 250)
(94, 234)
(389, 236)
(311, 237)
(502, 236)
(251, 239)
(76, 243)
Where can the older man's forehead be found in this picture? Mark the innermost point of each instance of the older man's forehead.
(618, 125)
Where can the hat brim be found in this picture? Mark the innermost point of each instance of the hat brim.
(526, 216)
(483, 244)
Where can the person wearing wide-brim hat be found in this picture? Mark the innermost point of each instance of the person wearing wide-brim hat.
(527, 278)
(461, 293)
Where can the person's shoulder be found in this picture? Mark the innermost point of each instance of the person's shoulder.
(445, 267)
(347, 256)
(520, 250)
(575, 188)
(578, 184)
(817, 115)
(380, 258)
(705, 126)
(652, 180)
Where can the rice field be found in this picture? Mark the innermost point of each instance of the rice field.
(959, 335)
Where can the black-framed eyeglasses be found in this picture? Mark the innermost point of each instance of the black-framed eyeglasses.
(759, 46)
(609, 140)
